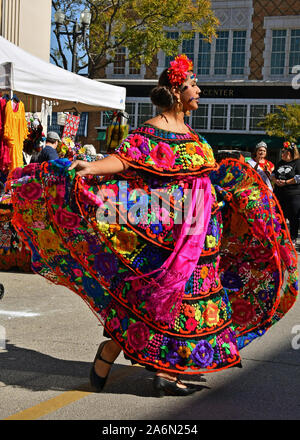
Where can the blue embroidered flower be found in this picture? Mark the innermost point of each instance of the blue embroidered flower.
(156, 228)
(202, 354)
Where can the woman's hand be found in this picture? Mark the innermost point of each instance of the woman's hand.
(81, 167)
(103, 167)
(279, 182)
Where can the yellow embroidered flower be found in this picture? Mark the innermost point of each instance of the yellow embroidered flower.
(228, 177)
(39, 215)
(211, 314)
(114, 228)
(190, 149)
(210, 241)
(254, 195)
(125, 242)
(184, 352)
(204, 271)
(103, 227)
(27, 218)
(52, 191)
(197, 160)
(198, 314)
(48, 240)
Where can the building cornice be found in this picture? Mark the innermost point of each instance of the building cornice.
(230, 83)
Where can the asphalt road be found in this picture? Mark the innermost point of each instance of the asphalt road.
(48, 339)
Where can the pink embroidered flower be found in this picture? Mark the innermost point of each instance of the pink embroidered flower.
(77, 272)
(163, 156)
(206, 284)
(134, 153)
(67, 219)
(114, 323)
(138, 336)
(30, 191)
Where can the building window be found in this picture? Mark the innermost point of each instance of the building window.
(225, 55)
(130, 109)
(219, 116)
(119, 61)
(238, 117)
(238, 53)
(188, 48)
(145, 111)
(257, 113)
(294, 59)
(221, 53)
(133, 70)
(200, 117)
(204, 55)
(172, 36)
(278, 52)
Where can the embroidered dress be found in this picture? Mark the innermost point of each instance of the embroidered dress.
(106, 238)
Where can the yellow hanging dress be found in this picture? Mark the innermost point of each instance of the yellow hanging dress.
(15, 132)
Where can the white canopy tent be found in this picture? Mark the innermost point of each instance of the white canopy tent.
(34, 80)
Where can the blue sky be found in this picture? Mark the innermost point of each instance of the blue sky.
(53, 45)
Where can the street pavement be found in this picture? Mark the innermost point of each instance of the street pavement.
(48, 339)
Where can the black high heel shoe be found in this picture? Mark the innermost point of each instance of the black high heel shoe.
(98, 382)
(164, 387)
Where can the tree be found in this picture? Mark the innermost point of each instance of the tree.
(138, 25)
(285, 122)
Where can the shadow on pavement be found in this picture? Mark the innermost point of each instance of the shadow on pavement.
(36, 371)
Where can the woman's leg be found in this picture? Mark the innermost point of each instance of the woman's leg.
(110, 352)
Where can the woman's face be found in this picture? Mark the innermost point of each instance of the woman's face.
(190, 93)
(261, 153)
(286, 155)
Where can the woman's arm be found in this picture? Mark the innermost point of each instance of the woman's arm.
(293, 181)
(103, 167)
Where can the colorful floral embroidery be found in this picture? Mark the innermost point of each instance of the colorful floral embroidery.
(77, 247)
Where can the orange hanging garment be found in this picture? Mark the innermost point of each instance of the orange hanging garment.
(15, 132)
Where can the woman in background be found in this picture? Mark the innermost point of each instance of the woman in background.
(286, 178)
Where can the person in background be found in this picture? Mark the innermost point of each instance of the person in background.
(49, 151)
(286, 178)
(259, 162)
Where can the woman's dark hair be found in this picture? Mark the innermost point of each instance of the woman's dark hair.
(294, 151)
(161, 95)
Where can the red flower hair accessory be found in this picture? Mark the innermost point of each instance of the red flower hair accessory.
(179, 69)
(287, 145)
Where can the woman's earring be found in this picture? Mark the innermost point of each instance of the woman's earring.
(178, 105)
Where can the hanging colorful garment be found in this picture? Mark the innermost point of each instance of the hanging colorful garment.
(118, 243)
(15, 132)
(13, 252)
(4, 149)
(71, 126)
